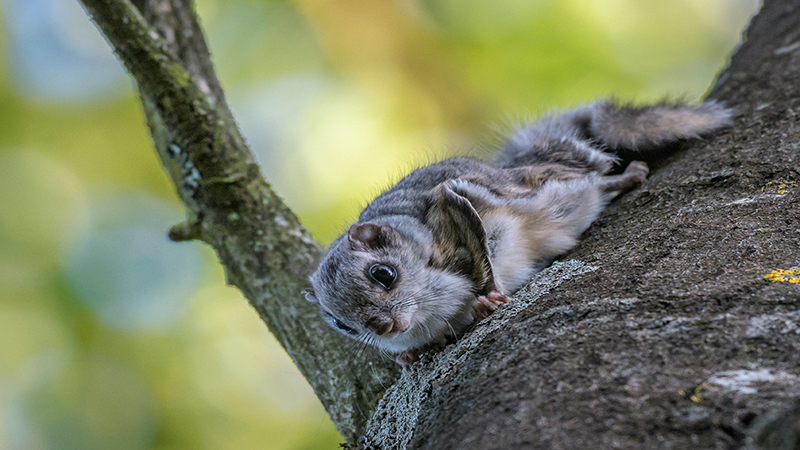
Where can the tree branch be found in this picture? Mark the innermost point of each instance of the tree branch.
(648, 337)
(266, 253)
(666, 327)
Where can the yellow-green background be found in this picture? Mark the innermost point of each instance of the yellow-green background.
(113, 338)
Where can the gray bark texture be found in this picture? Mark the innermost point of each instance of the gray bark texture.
(659, 331)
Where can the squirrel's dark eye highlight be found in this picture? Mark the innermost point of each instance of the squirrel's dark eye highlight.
(341, 326)
(383, 274)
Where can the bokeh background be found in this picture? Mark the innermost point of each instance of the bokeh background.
(111, 337)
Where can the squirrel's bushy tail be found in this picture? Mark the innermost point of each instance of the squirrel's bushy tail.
(590, 136)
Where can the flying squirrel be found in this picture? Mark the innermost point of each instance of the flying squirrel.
(448, 243)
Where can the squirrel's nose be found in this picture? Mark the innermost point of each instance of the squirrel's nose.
(380, 325)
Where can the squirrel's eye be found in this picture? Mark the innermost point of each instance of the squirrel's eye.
(341, 326)
(383, 274)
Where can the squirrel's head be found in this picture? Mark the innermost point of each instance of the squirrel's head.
(384, 284)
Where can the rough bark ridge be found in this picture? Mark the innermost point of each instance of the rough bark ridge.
(674, 324)
(266, 253)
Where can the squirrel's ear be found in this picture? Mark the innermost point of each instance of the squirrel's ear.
(365, 236)
(309, 293)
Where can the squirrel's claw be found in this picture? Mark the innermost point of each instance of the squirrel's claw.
(407, 358)
(487, 304)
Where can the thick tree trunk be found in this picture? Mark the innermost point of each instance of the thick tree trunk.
(660, 330)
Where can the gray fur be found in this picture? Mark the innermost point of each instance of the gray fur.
(647, 127)
(463, 230)
(574, 138)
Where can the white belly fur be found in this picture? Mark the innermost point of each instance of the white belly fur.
(510, 250)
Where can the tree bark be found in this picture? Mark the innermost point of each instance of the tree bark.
(676, 321)
(674, 324)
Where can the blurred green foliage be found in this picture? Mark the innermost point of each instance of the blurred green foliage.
(112, 337)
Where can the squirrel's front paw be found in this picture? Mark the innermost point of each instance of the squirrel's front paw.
(486, 304)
